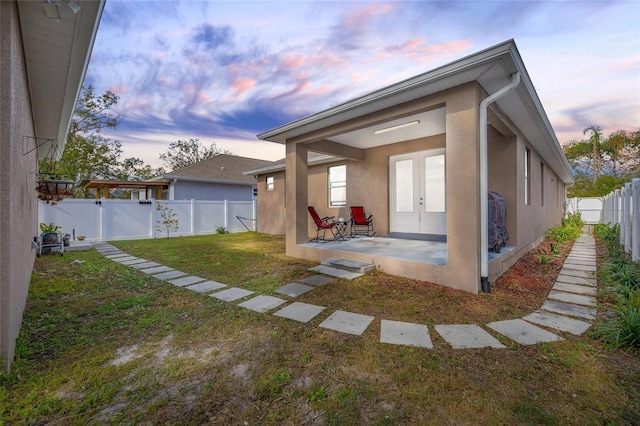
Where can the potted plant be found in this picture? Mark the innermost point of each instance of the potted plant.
(49, 233)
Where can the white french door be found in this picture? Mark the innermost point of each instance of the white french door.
(417, 192)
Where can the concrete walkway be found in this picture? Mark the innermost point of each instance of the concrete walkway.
(569, 308)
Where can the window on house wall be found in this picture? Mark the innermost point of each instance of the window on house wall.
(270, 183)
(527, 177)
(338, 186)
(542, 184)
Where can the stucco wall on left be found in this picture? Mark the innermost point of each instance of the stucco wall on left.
(18, 203)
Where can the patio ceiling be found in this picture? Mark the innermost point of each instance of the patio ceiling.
(491, 69)
(56, 53)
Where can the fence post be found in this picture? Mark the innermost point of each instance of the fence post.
(627, 217)
(635, 220)
(101, 222)
(152, 229)
(226, 214)
(254, 214)
(192, 214)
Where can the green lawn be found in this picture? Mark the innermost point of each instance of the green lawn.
(102, 343)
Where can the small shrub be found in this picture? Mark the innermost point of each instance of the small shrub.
(623, 330)
(544, 258)
(168, 219)
(221, 230)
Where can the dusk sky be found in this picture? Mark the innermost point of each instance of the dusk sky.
(225, 71)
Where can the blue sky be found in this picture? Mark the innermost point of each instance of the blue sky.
(224, 71)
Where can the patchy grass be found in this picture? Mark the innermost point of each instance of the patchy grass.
(102, 343)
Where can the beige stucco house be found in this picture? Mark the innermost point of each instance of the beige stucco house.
(44, 52)
(421, 155)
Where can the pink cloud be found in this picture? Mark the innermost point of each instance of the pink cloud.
(359, 18)
(420, 51)
(242, 84)
(119, 89)
(294, 61)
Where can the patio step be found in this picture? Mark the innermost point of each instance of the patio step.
(350, 265)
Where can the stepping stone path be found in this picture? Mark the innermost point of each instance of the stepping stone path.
(569, 308)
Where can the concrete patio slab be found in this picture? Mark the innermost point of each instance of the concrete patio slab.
(134, 262)
(231, 294)
(347, 322)
(590, 282)
(523, 332)
(123, 259)
(169, 275)
(301, 312)
(576, 273)
(206, 286)
(155, 269)
(262, 303)
(587, 268)
(294, 289)
(117, 255)
(577, 299)
(559, 322)
(315, 280)
(467, 336)
(575, 288)
(184, 281)
(569, 309)
(404, 333)
(335, 272)
(145, 265)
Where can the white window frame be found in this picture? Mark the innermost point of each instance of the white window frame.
(336, 185)
(271, 184)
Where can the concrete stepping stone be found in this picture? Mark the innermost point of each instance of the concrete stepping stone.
(206, 286)
(315, 280)
(294, 289)
(523, 332)
(569, 309)
(156, 269)
(347, 322)
(117, 255)
(262, 303)
(145, 265)
(575, 288)
(405, 333)
(467, 336)
(165, 276)
(576, 273)
(181, 282)
(123, 259)
(577, 299)
(109, 252)
(301, 312)
(559, 322)
(231, 294)
(350, 265)
(335, 272)
(134, 262)
(591, 282)
(582, 262)
(587, 268)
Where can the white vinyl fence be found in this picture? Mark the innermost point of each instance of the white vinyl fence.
(112, 219)
(622, 207)
(590, 208)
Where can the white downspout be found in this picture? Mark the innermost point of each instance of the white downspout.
(484, 184)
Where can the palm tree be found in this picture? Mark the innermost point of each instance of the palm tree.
(594, 139)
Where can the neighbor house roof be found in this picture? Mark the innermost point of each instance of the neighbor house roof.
(56, 54)
(491, 68)
(313, 158)
(222, 168)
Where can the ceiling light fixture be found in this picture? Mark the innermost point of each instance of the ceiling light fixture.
(399, 126)
(73, 5)
(50, 10)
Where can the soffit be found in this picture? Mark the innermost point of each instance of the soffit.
(57, 54)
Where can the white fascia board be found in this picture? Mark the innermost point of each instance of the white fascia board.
(281, 166)
(204, 180)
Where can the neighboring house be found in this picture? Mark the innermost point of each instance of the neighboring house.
(44, 52)
(220, 177)
(413, 154)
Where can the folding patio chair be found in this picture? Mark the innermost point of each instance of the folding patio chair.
(324, 224)
(361, 224)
